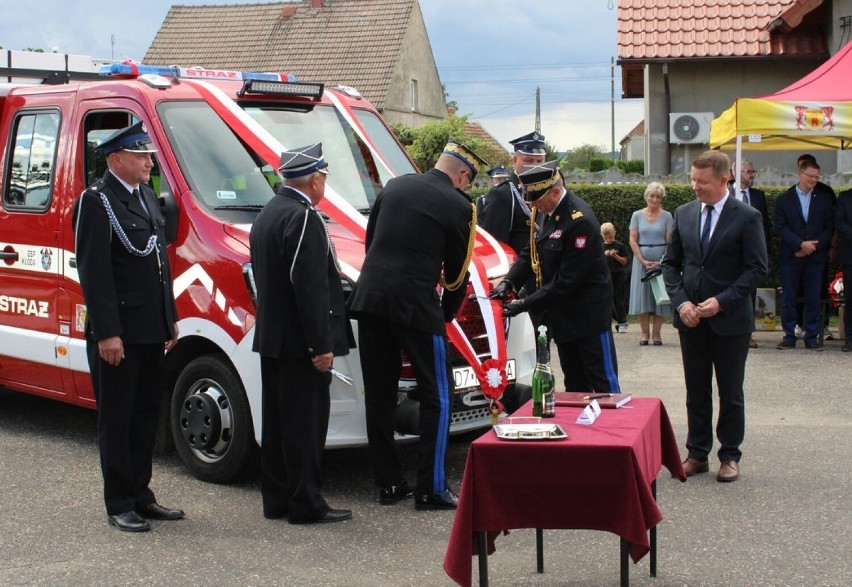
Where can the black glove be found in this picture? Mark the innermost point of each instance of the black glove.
(514, 308)
(502, 291)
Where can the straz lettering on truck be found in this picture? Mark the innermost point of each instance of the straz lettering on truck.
(15, 305)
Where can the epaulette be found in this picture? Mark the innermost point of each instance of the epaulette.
(97, 186)
(576, 214)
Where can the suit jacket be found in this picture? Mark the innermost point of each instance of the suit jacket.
(419, 224)
(575, 299)
(757, 200)
(843, 224)
(503, 216)
(792, 229)
(300, 308)
(733, 265)
(126, 295)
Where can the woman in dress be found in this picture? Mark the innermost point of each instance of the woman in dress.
(650, 229)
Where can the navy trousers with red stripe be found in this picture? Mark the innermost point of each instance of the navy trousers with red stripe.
(380, 342)
(590, 364)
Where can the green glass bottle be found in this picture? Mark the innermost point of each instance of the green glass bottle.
(543, 382)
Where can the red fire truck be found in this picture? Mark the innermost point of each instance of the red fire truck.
(219, 135)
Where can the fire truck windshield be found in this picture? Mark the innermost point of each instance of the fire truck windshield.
(226, 175)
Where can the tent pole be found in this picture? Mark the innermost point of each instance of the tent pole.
(739, 163)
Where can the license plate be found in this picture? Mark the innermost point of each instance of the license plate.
(465, 378)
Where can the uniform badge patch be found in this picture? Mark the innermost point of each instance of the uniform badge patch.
(576, 214)
(556, 234)
(580, 242)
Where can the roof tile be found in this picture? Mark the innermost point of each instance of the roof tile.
(351, 42)
(714, 28)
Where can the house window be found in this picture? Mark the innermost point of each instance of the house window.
(415, 102)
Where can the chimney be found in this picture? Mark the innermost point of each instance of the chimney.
(451, 110)
(316, 3)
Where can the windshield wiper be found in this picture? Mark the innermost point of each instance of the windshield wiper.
(240, 207)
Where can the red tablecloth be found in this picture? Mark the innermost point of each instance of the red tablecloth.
(599, 478)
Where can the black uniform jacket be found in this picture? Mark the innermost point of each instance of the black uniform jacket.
(300, 310)
(576, 294)
(503, 216)
(126, 295)
(733, 265)
(419, 224)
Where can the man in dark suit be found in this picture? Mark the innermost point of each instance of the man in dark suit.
(131, 318)
(301, 326)
(573, 288)
(843, 224)
(715, 258)
(755, 198)
(505, 214)
(805, 224)
(420, 233)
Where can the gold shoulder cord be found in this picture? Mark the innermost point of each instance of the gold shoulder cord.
(534, 261)
(470, 242)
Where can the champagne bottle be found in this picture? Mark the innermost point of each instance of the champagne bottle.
(543, 381)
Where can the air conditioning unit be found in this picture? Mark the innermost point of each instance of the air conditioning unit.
(690, 128)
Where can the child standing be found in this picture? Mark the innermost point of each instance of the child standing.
(616, 258)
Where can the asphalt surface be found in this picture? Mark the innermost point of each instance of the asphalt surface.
(786, 522)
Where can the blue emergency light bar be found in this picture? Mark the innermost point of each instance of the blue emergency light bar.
(136, 70)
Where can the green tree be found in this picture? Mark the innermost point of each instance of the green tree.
(425, 144)
(581, 158)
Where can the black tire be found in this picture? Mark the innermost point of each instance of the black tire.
(211, 421)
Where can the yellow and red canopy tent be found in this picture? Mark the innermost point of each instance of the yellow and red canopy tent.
(814, 113)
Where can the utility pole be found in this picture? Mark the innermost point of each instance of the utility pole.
(112, 46)
(537, 110)
(612, 102)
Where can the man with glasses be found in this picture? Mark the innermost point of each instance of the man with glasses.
(420, 234)
(805, 225)
(755, 198)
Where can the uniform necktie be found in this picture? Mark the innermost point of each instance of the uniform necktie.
(141, 200)
(745, 197)
(705, 232)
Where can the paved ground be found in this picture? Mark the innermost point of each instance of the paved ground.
(787, 522)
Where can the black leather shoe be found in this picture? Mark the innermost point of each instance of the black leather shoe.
(154, 511)
(446, 500)
(390, 494)
(335, 516)
(128, 522)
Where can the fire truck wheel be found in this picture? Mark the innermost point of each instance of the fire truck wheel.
(211, 421)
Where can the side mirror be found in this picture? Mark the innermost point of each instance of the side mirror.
(169, 208)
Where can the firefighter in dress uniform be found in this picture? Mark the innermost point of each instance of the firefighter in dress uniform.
(301, 326)
(421, 232)
(504, 212)
(573, 288)
(131, 320)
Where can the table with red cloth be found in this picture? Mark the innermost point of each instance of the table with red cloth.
(599, 478)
